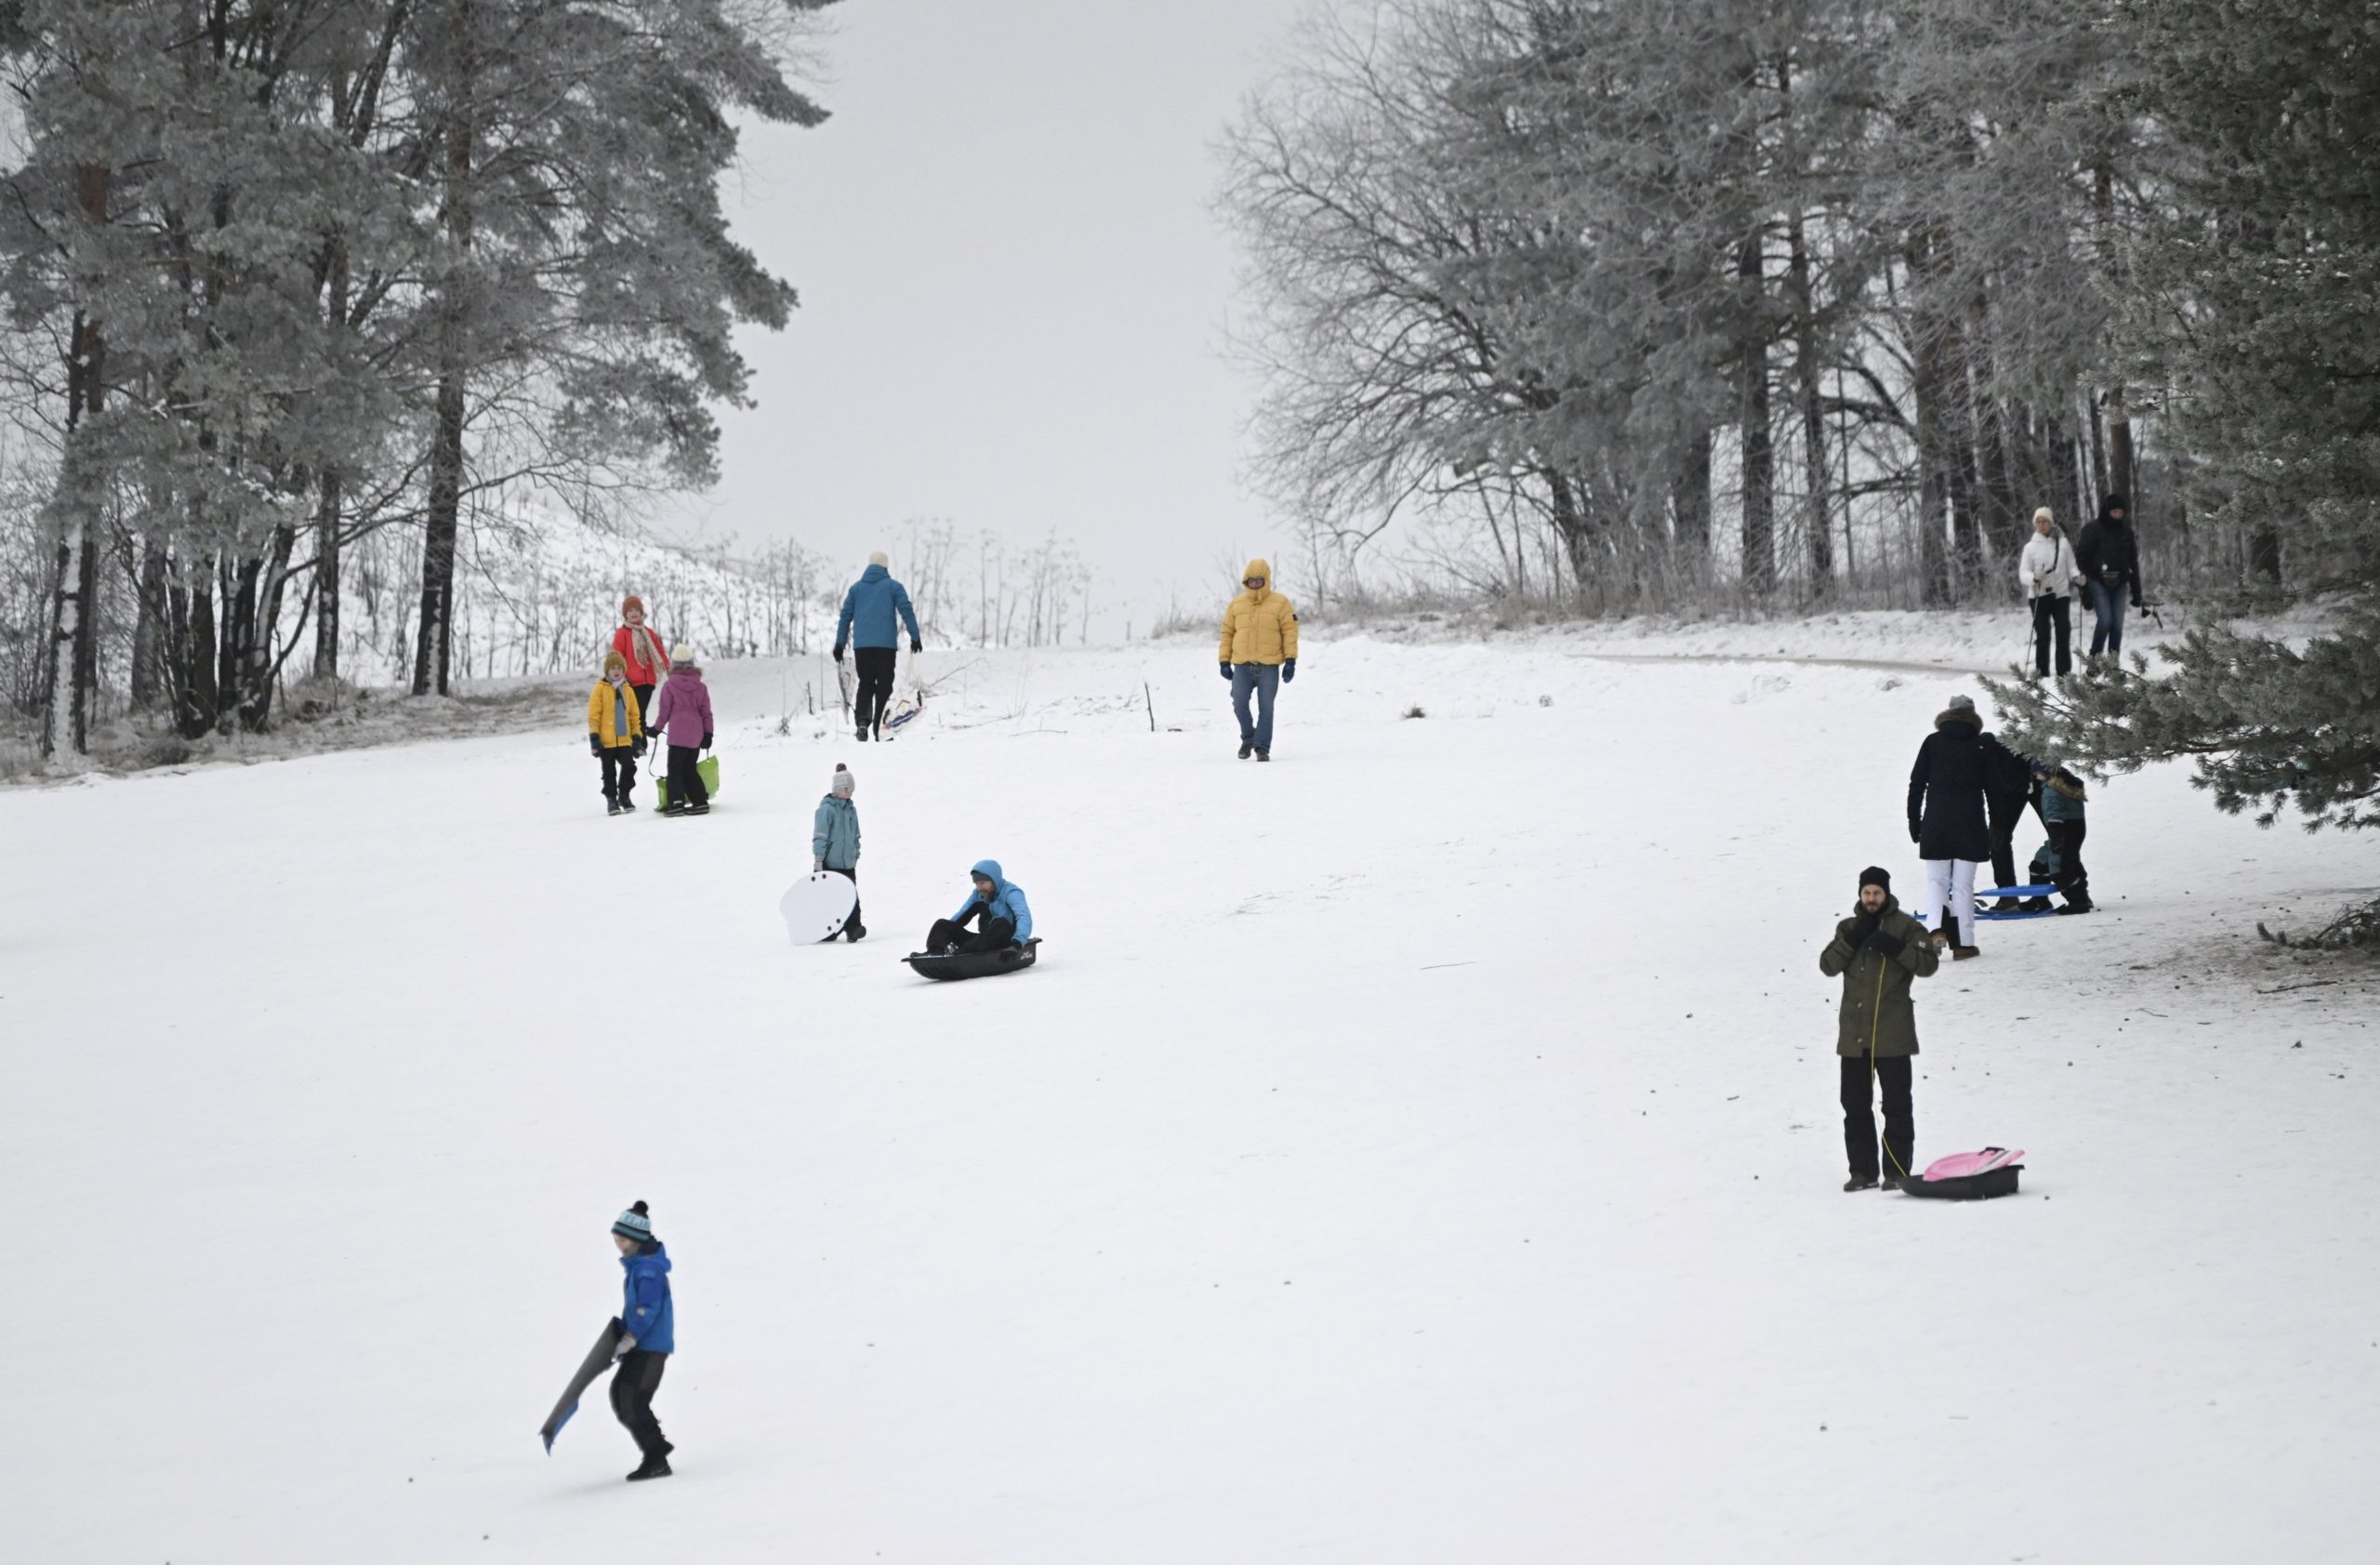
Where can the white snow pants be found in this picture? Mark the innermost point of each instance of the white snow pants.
(1949, 882)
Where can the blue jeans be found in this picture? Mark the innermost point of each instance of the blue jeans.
(1265, 678)
(2107, 603)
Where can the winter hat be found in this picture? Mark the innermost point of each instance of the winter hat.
(635, 1223)
(2043, 515)
(631, 601)
(682, 656)
(1961, 703)
(878, 559)
(614, 661)
(1872, 876)
(842, 781)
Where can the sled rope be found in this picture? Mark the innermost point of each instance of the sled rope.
(1875, 1021)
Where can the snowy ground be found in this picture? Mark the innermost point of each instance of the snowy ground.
(1420, 1149)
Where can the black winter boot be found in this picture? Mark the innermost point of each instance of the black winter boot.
(1246, 750)
(653, 1466)
(854, 932)
(1860, 1182)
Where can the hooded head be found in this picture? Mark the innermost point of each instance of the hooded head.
(843, 782)
(2117, 508)
(989, 869)
(1261, 572)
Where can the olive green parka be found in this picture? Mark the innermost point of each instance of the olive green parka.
(1877, 1015)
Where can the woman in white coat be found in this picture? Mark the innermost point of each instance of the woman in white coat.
(2046, 574)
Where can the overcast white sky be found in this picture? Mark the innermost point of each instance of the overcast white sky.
(1013, 286)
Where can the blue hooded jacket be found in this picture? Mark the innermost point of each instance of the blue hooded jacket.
(834, 832)
(1007, 901)
(868, 610)
(646, 1313)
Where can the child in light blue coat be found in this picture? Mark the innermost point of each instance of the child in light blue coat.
(834, 842)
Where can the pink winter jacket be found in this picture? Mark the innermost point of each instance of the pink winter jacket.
(683, 709)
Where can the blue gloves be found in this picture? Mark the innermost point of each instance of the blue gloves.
(1289, 670)
(1225, 668)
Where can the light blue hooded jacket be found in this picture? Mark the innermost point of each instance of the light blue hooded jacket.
(870, 609)
(1007, 901)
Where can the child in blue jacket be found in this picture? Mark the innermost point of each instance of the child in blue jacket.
(834, 842)
(647, 1338)
(997, 903)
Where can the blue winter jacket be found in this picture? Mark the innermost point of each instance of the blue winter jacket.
(646, 1313)
(870, 608)
(834, 832)
(1007, 901)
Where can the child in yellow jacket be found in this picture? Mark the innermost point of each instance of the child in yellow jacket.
(615, 732)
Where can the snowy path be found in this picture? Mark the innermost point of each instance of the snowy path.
(1420, 1149)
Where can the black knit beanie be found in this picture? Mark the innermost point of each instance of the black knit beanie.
(1872, 876)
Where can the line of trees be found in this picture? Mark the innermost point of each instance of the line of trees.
(282, 274)
(1649, 300)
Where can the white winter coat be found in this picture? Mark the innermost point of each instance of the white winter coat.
(2047, 568)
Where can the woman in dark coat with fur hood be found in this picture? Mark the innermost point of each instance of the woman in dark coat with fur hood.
(2108, 556)
(1946, 818)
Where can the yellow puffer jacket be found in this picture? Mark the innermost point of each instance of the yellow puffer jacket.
(1259, 625)
(601, 715)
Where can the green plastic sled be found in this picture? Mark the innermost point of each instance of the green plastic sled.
(707, 769)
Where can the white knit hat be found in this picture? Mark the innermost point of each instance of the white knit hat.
(879, 558)
(682, 656)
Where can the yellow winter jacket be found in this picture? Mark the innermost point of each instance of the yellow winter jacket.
(602, 719)
(1259, 625)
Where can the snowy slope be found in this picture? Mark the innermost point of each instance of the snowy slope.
(1420, 1149)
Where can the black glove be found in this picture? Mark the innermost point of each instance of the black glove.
(916, 645)
(1289, 670)
(595, 745)
(1225, 668)
(705, 741)
(1861, 928)
(839, 652)
(639, 746)
(1884, 945)
(1916, 833)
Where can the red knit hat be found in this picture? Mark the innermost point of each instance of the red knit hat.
(631, 601)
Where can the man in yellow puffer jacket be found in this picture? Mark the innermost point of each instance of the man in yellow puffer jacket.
(1259, 650)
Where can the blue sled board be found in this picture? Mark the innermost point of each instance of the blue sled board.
(598, 1359)
(2007, 891)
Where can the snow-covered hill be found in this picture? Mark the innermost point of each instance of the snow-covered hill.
(1421, 1148)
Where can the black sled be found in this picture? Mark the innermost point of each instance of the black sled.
(972, 964)
(598, 1359)
(1968, 1176)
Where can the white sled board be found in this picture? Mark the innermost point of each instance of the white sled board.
(816, 909)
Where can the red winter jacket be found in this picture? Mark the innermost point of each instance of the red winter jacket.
(647, 653)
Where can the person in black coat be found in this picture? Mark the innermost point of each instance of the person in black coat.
(1946, 818)
(2108, 556)
(2008, 790)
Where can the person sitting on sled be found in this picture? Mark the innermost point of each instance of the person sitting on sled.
(999, 907)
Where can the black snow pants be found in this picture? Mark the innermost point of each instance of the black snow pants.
(1860, 1115)
(2007, 811)
(874, 665)
(685, 783)
(633, 1385)
(2051, 616)
(619, 774)
(2071, 877)
(948, 935)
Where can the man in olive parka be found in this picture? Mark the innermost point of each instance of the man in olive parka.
(1878, 952)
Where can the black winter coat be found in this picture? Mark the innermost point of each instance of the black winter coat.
(1946, 787)
(2108, 554)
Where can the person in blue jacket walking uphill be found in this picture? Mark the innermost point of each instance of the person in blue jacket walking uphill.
(1259, 651)
(874, 611)
(996, 904)
(647, 1338)
(834, 843)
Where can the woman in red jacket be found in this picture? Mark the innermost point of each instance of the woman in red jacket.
(641, 645)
